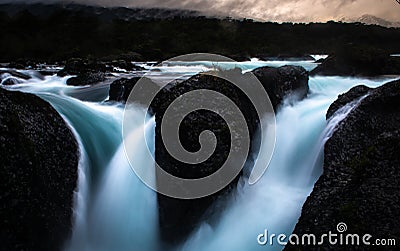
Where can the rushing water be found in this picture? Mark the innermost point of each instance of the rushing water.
(115, 211)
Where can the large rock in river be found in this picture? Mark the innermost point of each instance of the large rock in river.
(360, 184)
(12, 77)
(121, 88)
(87, 78)
(278, 82)
(76, 66)
(178, 217)
(89, 72)
(38, 175)
(283, 81)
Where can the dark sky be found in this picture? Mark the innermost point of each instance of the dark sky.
(267, 10)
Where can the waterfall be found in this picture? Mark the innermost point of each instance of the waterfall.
(275, 202)
(124, 211)
(114, 210)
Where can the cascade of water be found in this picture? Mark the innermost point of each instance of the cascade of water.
(115, 211)
(274, 203)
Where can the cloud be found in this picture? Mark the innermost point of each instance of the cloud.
(267, 10)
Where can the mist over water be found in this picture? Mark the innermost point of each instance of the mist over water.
(114, 210)
(275, 202)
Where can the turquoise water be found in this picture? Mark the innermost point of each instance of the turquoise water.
(275, 202)
(115, 211)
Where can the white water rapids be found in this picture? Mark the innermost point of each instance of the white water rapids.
(115, 211)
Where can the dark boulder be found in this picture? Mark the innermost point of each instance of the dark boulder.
(14, 73)
(87, 78)
(278, 82)
(11, 81)
(39, 160)
(179, 217)
(355, 61)
(283, 81)
(89, 72)
(121, 88)
(360, 184)
(344, 99)
(12, 77)
(78, 66)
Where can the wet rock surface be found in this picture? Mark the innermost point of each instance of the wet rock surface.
(87, 78)
(90, 72)
(38, 175)
(360, 184)
(179, 217)
(121, 88)
(12, 77)
(283, 81)
(346, 98)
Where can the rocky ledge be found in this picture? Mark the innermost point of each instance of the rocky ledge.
(179, 217)
(89, 72)
(38, 175)
(360, 184)
(278, 82)
(12, 77)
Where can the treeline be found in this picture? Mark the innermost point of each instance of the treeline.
(63, 34)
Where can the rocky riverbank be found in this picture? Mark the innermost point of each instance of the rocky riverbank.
(353, 60)
(360, 183)
(39, 158)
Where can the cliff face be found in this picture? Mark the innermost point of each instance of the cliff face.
(179, 217)
(38, 175)
(360, 185)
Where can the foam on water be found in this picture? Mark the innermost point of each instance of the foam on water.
(114, 210)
